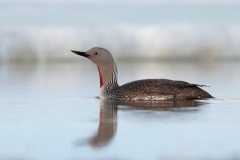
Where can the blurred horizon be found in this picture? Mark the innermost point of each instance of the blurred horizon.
(177, 30)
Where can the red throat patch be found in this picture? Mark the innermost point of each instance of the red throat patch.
(100, 76)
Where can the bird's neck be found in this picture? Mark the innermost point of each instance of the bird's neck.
(108, 75)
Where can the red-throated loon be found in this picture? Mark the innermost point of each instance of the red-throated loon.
(148, 89)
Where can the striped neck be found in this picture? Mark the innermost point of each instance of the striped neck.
(108, 75)
(108, 79)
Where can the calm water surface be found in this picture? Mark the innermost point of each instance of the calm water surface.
(49, 111)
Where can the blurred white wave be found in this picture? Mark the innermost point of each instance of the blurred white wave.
(123, 41)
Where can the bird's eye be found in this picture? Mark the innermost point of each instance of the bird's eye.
(95, 53)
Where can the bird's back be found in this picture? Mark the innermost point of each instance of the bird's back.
(158, 89)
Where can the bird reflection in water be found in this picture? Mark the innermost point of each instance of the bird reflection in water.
(108, 116)
(107, 125)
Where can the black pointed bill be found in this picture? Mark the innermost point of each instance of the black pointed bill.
(84, 54)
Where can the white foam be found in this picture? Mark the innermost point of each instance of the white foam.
(122, 40)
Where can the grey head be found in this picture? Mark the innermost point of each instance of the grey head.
(97, 55)
(106, 64)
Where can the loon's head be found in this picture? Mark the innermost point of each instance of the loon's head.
(106, 64)
(97, 55)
